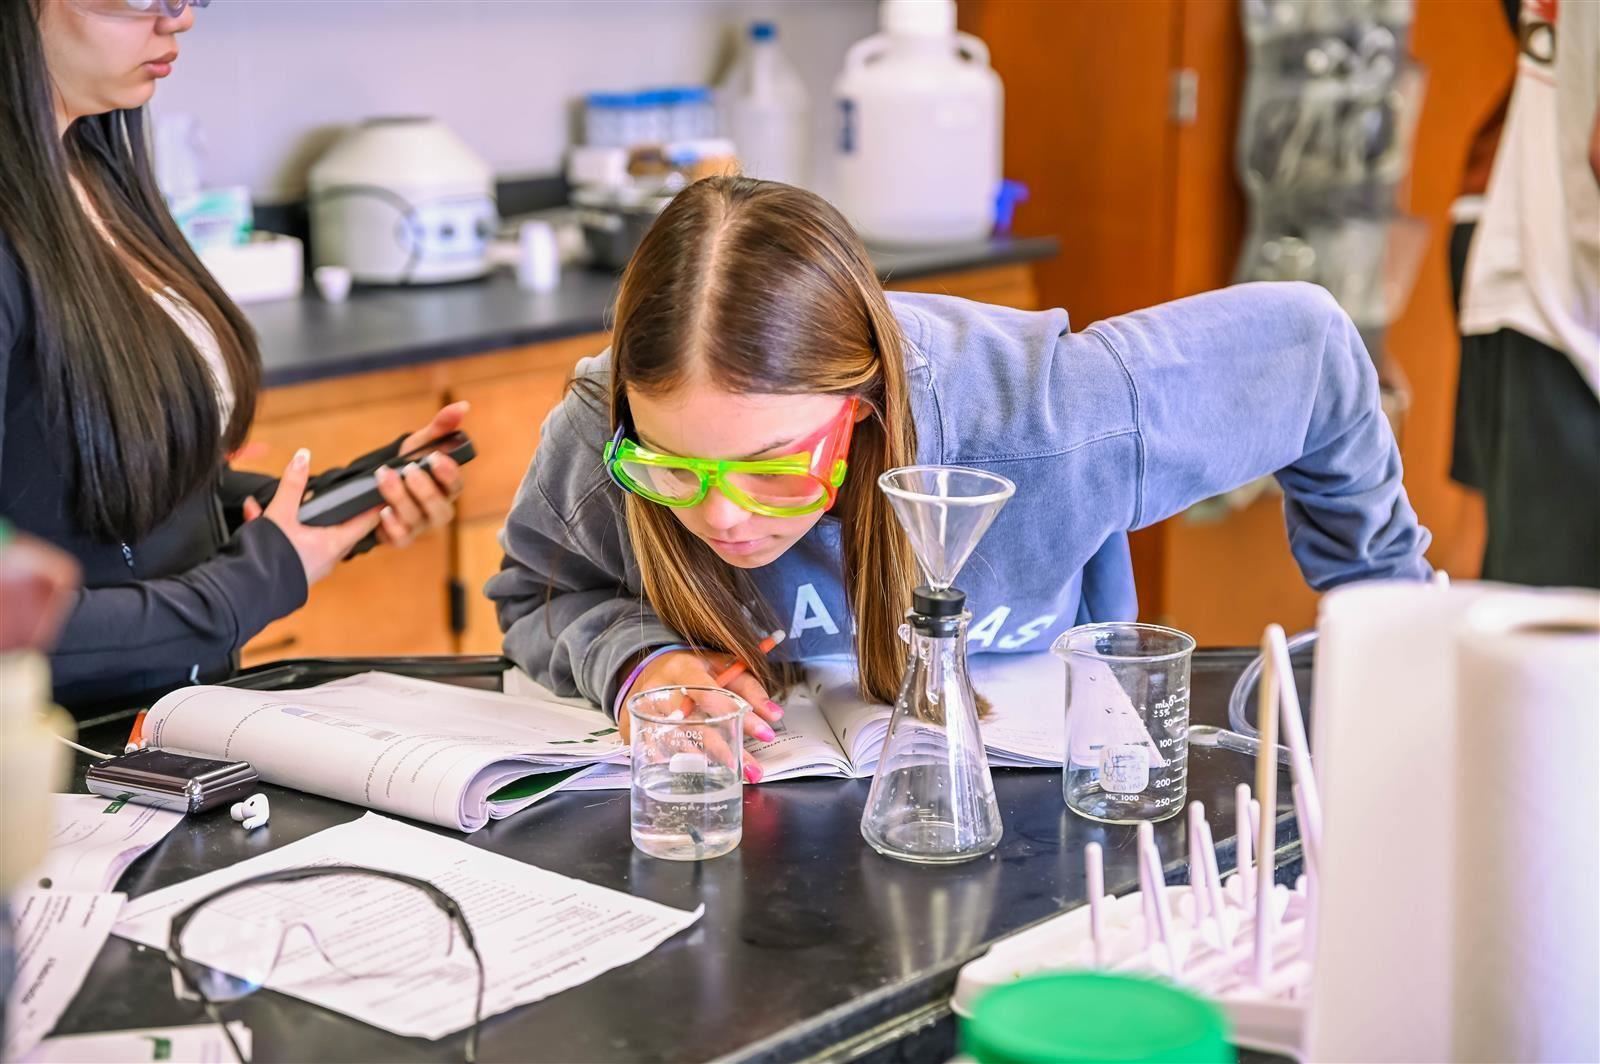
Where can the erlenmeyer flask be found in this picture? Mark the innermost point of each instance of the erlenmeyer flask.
(932, 800)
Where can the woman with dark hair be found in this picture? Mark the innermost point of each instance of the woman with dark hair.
(714, 475)
(127, 376)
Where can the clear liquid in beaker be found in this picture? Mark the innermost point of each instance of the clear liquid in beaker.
(691, 814)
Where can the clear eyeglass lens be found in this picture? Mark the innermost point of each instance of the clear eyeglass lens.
(313, 928)
(664, 481)
(133, 8)
(782, 490)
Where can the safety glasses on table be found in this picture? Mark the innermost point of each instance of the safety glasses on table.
(312, 923)
(138, 8)
(802, 482)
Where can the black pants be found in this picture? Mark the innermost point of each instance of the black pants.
(1528, 437)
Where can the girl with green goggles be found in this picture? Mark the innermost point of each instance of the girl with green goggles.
(690, 495)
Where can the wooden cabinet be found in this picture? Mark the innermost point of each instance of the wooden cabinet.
(511, 392)
(1007, 286)
(477, 559)
(1136, 179)
(428, 598)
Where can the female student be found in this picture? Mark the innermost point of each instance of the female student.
(127, 376)
(750, 326)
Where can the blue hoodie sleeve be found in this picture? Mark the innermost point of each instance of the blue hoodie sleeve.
(1265, 379)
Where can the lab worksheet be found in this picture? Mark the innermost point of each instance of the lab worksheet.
(58, 936)
(539, 932)
(201, 1044)
(95, 840)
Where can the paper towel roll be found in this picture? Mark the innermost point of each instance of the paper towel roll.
(1527, 901)
(1384, 741)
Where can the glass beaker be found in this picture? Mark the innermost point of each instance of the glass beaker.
(1127, 756)
(687, 794)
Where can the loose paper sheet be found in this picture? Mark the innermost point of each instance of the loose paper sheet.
(58, 937)
(201, 1044)
(539, 932)
(96, 839)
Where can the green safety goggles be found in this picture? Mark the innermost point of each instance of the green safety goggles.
(788, 486)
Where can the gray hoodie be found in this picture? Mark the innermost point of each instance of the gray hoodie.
(1106, 430)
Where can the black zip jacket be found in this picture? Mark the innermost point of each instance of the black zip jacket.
(171, 608)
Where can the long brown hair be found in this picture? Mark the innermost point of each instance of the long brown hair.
(768, 289)
(128, 389)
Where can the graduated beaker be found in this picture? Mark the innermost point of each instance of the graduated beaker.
(687, 794)
(1127, 756)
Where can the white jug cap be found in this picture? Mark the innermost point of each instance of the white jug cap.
(919, 18)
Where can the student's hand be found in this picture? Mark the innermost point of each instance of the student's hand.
(446, 421)
(420, 499)
(320, 549)
(685, 669)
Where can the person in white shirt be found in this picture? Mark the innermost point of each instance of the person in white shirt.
(1529, 421)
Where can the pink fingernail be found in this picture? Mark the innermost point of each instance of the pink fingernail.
(777, 710)
(766, 734)
(752, 774)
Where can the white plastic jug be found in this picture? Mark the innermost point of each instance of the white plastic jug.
(765, 111)
(917, 158)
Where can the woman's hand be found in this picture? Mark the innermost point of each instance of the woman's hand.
(685, 669)
(320, 549)
(420, 499)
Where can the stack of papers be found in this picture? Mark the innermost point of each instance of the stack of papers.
(434, 752)
(539, 932)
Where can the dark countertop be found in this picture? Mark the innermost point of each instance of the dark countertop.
(307, 339)
(811, 943)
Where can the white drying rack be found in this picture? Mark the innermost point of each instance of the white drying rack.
(1244, 942)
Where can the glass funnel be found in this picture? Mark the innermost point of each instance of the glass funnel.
(932, 799)
(945, 510)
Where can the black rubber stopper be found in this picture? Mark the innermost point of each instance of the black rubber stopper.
(933, 603)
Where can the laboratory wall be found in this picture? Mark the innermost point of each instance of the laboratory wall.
(271, 83)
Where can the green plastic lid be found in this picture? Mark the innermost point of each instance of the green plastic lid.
(1089, 1016)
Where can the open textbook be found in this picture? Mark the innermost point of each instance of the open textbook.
(829, 730)
(434, 752)
(459, 757)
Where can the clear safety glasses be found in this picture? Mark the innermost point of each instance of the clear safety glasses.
(137, 8)
(306, 924)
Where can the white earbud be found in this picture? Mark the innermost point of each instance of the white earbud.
(253, 812)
